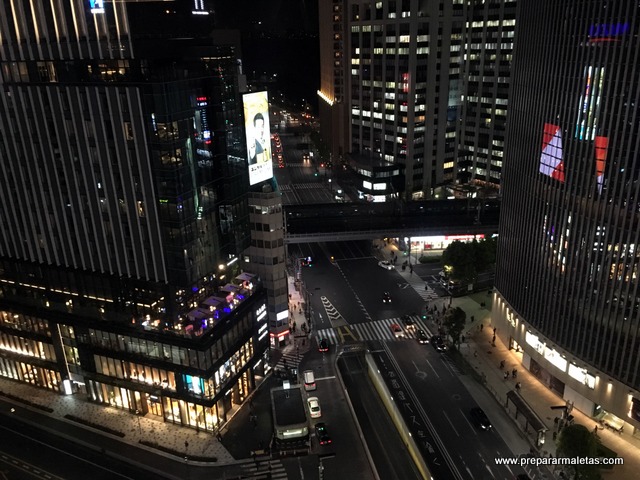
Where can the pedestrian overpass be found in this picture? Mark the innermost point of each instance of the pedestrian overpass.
(358, 221)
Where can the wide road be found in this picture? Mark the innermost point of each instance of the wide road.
(435, 380)
(389, 454)
(354, 284)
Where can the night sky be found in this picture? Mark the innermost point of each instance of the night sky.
(278, 37)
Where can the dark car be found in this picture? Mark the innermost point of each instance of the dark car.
(409, 323)
(386, 297)
(422, 338)
(481, 419)
(322, 434)
(323, 346)
(438, 343)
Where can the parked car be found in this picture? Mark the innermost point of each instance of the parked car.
(322, 434)
(386, 297)
(314, 407)
(387, 265)
(422, 337)
(397, 330)
(323, 346)
(438, 343)
(481, 419)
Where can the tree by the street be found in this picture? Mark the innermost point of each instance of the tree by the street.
(467, 259)
(578, 441)
(454, 321)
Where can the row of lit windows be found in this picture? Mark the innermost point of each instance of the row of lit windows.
(24, 372)
(172, 353)
(26, 346)
(114, 367)
(493, 23)
(25, 323)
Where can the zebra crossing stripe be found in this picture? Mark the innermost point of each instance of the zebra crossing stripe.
(377, 330)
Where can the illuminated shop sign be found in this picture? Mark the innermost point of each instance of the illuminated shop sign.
(582, 376)
(261, 313)
(262, 328)
(97, 6)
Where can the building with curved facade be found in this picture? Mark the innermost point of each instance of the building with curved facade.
(567, 286)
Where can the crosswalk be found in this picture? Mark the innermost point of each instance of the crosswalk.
(290, 359)
(376, 330)
(426, 292)
(301, 186)
(263, 467)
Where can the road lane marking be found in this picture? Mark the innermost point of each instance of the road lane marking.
(344, 331)
(434, 370)
(450, 422)
(468, 422)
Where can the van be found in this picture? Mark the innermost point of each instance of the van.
(309, 380)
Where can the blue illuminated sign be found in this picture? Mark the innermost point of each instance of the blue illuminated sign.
(97, 6)
(608, 29)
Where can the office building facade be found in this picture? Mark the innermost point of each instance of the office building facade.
(124, 212)
(567, 273)
(417, 85)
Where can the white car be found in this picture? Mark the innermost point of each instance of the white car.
(314, 407)
(387, 265)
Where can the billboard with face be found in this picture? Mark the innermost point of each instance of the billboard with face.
(256, 124)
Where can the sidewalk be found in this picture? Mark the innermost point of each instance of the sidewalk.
(485, 358)
(135, 428)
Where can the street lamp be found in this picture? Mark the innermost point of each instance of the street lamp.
(330, 186)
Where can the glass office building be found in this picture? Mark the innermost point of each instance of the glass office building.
(123, 209)
(567, 275)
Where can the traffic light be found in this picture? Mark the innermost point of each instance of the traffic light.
(309, 262)
(315, 174)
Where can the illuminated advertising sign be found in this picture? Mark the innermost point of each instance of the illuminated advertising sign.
(551, 163)
(589, 106)
(607, 31)
(97, 6)
(258, 133)
(601, 145)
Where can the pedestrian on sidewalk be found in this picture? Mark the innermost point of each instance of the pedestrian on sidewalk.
(506, 375)
(514, 373)
(481, 326)
(475, 353)
(518, 385)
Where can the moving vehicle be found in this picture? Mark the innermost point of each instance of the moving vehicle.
(323, 346)
(438, 343)
(314, 407)
(409, 323)
(422, 337)
(387, 265)
(397, 330)
(481, 419)
(386, 297)
(322, 434)
(309, 380)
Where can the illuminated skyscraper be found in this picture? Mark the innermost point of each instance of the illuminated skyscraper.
(567, 276)
(413, 93)
(123, 209)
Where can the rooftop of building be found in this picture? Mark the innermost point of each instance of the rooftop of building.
(288, 406)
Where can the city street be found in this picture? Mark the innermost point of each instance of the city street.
(346, 295)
